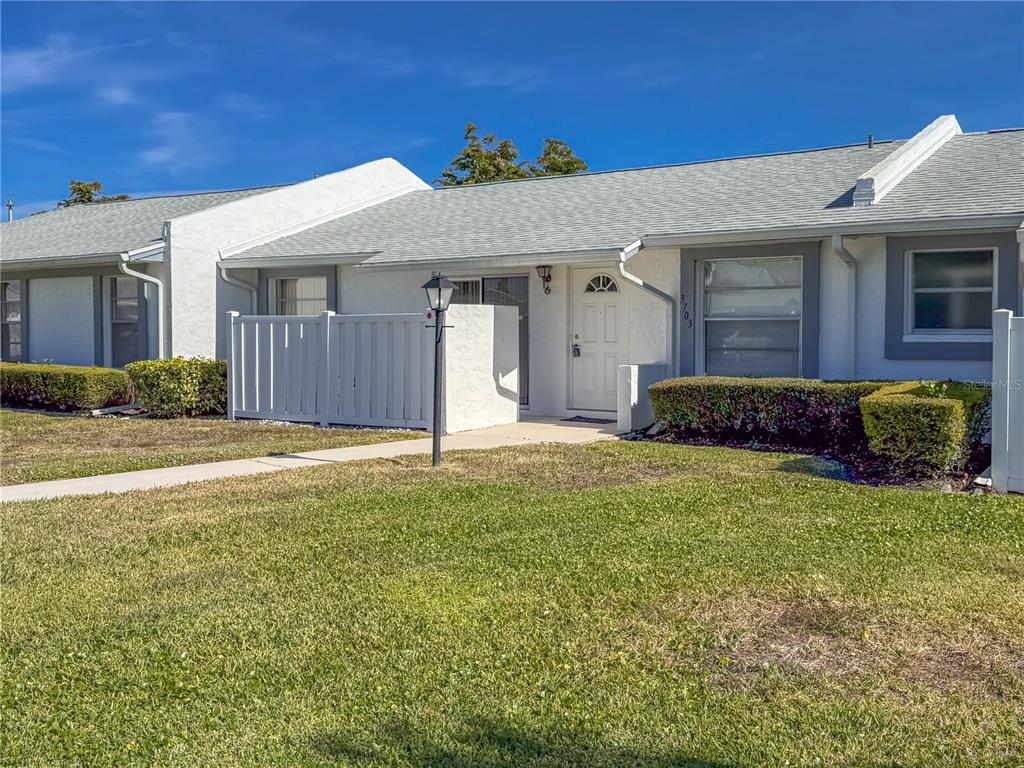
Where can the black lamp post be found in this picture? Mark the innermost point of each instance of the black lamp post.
(439, 294)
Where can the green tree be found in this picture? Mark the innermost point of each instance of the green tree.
(557, 159)
(86, 192)
(494, 159)
(483, 160)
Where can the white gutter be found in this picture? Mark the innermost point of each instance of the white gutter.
(598, 255)
(1020, 266)
(123, 266)
(851, 303)
(628, 252)
(62, 262)
(252, 289)
(819, 231)
(297, 260)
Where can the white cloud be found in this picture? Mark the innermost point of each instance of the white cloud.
(117, 95)
(244, 104)
(654, 74)
(61, 59)
(35, 145)
(383, 62)
(182, 143)
(510, 76)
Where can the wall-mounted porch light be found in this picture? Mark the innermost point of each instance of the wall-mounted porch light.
(544, 273)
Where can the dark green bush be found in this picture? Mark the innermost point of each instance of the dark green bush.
(926, 428)
(63, 387)
(178, 387)
(800, 413)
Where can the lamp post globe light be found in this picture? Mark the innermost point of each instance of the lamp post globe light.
(439, 294)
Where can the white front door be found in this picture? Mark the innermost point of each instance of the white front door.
(598, 340)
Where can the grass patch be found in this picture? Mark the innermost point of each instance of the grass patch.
(39, 447)
(617, 604)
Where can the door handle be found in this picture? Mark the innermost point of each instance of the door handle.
(575, 350)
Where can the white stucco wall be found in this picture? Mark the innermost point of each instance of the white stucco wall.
(481, 367)
(649, 316)
(363, 290)
(61, 319)
(549, 344)
(197, 239)
(367, 290)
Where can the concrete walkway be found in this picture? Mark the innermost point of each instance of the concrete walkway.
(526, 432)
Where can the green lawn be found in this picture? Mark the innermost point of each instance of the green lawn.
(617, 604)
(35, 446)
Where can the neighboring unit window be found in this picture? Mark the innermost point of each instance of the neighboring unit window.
(124, 321)
(11, 327)
(466, 292)
(951, 291)
(300, 295)
(751, 314)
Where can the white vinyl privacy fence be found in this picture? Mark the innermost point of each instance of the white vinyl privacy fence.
(364, 370)
(1007, 402)
(373, 370)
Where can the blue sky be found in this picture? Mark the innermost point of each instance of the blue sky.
(153, 98)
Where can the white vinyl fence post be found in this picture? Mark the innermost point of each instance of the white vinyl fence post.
(232, 362)
(324, 395)
(1001, 366)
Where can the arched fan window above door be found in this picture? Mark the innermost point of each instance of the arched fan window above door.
(601, 284)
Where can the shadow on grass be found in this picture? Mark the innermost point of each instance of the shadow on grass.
(490, 744)
(815, 466)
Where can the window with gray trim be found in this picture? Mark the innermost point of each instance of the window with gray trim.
(11, 321)
(691, 294)
(299, 295)
(751, 316)
(124, 321)
(951, 292)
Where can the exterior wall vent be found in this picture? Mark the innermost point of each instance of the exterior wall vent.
(876, 183)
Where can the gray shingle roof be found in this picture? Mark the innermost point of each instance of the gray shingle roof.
(103, 228)
(972, 174)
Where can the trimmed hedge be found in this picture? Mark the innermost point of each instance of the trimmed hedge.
(800, 413)
(926, 428)
(63, 387)
(178, 387)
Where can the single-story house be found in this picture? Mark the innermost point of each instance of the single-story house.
(877, 260)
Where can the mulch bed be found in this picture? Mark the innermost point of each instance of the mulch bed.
(863, 468)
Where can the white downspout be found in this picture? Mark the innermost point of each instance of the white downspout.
(123, 265)
(839, 247)
(665, 297)
(252, 289)
(1020, 267)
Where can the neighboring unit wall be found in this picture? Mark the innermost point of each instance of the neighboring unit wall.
(196, 241)
(875, 281)
(875, 311)
(61, 320)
